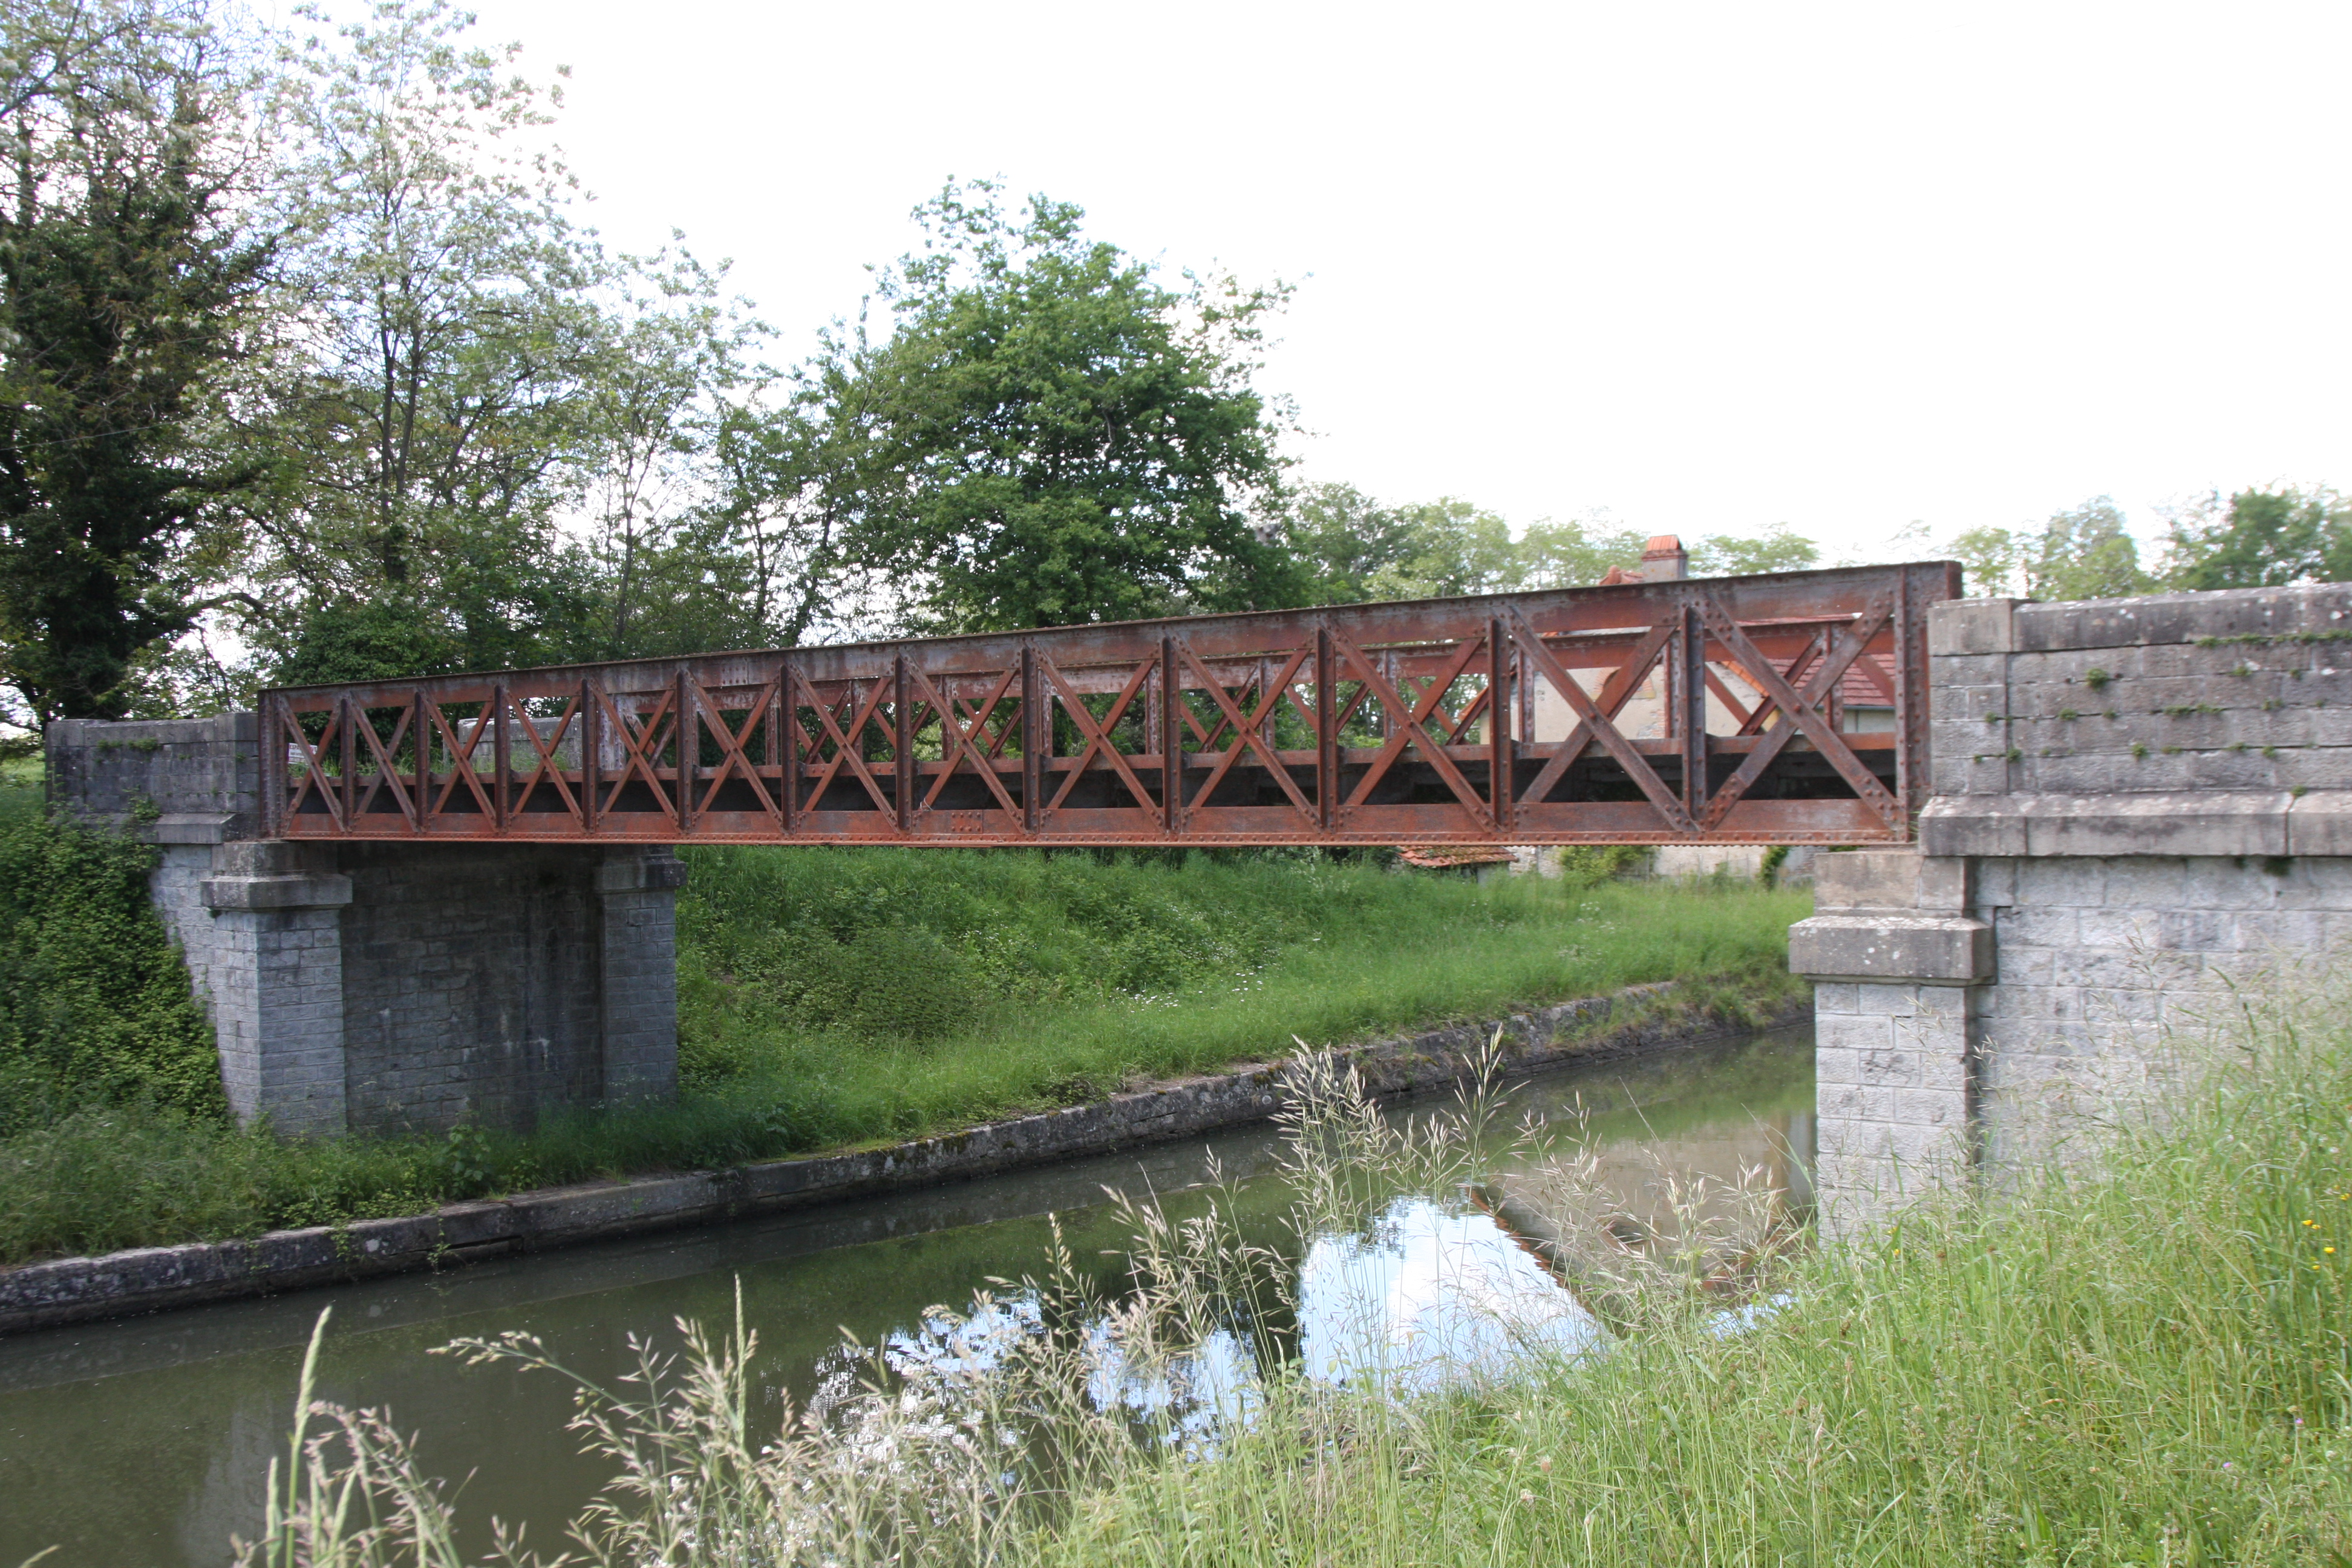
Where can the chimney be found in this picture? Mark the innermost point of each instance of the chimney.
(1665, 559)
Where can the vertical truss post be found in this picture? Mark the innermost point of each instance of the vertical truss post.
(902, 760)
(1327, 729)
(1155, 718)
(1690, 694)
(272, 769)
(1911, 774)
(1525, 690)
(501, 776)
(349, 752)
(420, 734)
(785, 744)
(592, 748)
(1036, 735)
(1501, 753)
(689, 749)
(1171, 741)
(1264, 694)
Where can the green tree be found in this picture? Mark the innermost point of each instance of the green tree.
(2262, 539)
(674, 386)
(777, 530)
(1051, 435)
(127, 275)
(1993, 562)
(1779, 548)
(442, 327)
(2083, 553)
(1352, 548)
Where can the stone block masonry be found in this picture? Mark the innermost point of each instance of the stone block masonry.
(388, 987)
(2134, 799)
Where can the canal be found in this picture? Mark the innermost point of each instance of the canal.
(144, 1443)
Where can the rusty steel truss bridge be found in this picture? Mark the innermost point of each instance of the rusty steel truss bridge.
(1708, 711)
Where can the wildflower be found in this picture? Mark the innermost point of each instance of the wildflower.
(2327, 1249)
(1526, 1496)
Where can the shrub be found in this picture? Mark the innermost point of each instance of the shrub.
(95, 1004)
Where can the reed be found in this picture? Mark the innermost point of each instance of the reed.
(2140, 1357)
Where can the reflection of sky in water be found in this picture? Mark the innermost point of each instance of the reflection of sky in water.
(1425, 1298)
(1429, 1298)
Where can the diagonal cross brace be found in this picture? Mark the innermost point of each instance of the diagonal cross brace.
(1099, 736)
(842, 750)
(547, 767)
(730, 746)
(958, 742)
(1247, 732)
(1594, 724)
(1412, 717)
(634, 739)
(313, 771)
(1801, 712)
(387, 773)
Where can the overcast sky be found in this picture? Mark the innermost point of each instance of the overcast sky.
(1706, 266)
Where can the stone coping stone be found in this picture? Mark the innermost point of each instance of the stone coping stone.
(2204, 823)
(1969, 627)
(149, 1278)
(1892, 945)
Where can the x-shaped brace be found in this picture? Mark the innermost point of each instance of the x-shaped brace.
(842, 750)
(730, 746)
(1596, 722)
(959, 743)
(1248, 736)
(1411, 717)
(1801, 711)
(1099, 735)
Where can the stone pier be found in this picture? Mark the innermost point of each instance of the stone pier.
(388, 987)
(2134, 800)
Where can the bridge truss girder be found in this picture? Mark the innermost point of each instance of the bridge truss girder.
(1408, 723)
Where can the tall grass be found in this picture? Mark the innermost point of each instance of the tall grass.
(833, 998)
(2142, 1358)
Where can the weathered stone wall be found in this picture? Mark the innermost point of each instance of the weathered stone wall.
(470, 983)
(169, 781)
(389, 986)
(2179, 724)
(2134, 799)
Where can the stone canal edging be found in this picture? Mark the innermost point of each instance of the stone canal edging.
(149, 1278)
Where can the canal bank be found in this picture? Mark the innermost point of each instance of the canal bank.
(1639, 1020)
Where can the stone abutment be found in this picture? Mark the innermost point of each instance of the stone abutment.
(388, 987)
(2135, 800)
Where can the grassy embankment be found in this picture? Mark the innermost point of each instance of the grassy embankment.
(2145, 1362)
(827, 998)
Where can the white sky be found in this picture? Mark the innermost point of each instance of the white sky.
(1707, 267)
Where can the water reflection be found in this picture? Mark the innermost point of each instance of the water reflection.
(1432, 1296)
(144, 1444)
(1423, 1298)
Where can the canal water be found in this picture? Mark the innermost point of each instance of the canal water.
(145, 1443)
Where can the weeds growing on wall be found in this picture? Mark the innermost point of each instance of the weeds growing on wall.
(95, 1005)
(2143, 1360)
